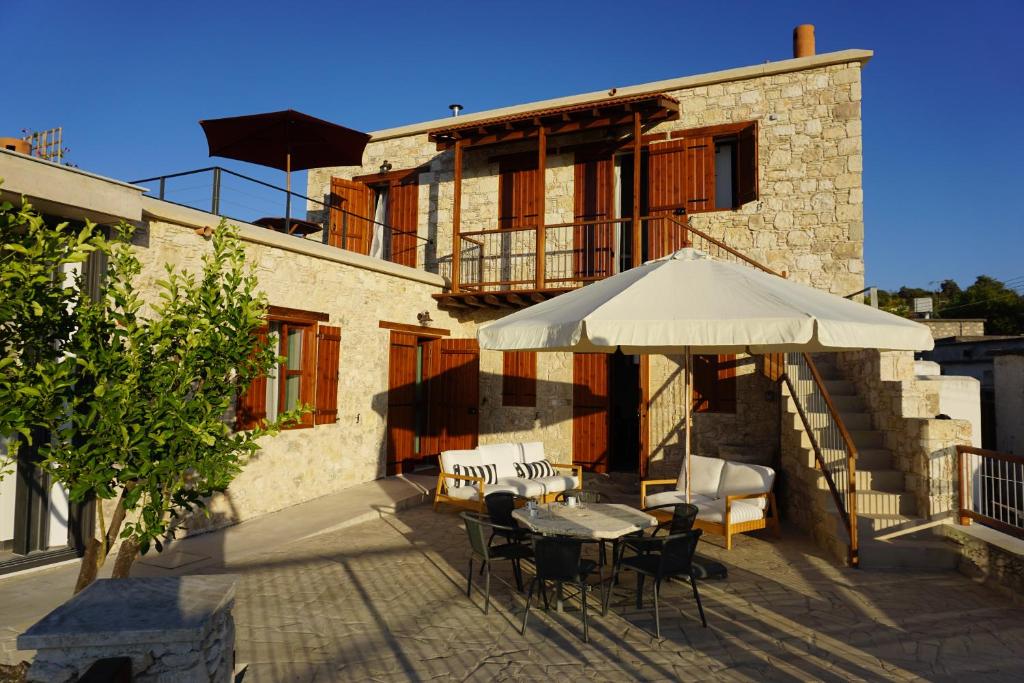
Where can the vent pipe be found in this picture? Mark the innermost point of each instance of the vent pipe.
(803, 41)
(456, 108)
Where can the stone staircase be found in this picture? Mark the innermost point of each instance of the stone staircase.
(891, 535)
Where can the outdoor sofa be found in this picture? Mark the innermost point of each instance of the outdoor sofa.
(731, 497)
(467, 476)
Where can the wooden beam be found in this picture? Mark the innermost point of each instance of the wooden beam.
(516, 300)
(473, 301)
(537, 297)
(542, 160)
(494, 301)
(420, 330)
(296, 314)
(456, 219)
(637, 150)
(450, 302)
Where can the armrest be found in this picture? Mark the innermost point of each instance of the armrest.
(577, 470)
(741, 496)
(651, 482)
(463, 477)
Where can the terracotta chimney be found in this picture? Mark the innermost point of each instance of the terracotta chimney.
(803, 40)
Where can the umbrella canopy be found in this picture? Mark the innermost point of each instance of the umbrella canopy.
(689, 300)
(286, 140)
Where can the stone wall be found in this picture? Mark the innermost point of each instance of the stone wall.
(808, 219)
(942, 329)
(990, 557)
(904, 409)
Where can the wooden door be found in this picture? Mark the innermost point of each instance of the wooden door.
(590, 411)
(401, 420)
(681, 175)
(350, 220)
(455, 395)
(403, 211)
(593, 243)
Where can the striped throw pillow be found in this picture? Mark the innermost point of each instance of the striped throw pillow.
(534, 470)
(488, 472)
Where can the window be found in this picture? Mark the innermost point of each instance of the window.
(714, 384)
(725, 158)
(307, 374)
(519, 379)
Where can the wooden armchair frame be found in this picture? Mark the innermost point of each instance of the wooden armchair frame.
(726, 528)
(441, 492)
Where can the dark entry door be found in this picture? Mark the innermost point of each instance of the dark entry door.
(624, 396)
(402, 382)
(610, 403)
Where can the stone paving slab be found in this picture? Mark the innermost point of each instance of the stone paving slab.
(385, 601)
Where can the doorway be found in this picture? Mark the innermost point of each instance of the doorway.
(610, 403)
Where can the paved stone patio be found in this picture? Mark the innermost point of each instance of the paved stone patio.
(384, 601)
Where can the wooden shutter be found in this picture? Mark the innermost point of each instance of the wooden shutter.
(401, 420)
(773, 365)
(517, 191)
(593, 187)
(590, 402)
(350, 230)
(251, 407)
(714, 384)
(519, 379)
(328, 356)
(455, 395)
(666, 176)
(746, 165)
(699, 174)
(403, 212)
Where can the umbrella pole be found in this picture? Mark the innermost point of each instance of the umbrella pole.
(687, 417)
(288, 193)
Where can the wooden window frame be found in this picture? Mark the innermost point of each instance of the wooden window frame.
(307, 367)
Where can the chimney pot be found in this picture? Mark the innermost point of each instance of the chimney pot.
(803, 41)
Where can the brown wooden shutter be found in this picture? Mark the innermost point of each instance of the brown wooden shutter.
(746, 165)
(590, 400)
(328, 356)
(519, 379)
(593, 185)
(666, 174)
(457, 402)
(773, 365)
(517, 192)
(401, 418)
(700, 174)
(350, 230)
(714, 384)
(251, 407)
(403, 212)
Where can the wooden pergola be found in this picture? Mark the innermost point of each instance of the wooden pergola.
(634, 113)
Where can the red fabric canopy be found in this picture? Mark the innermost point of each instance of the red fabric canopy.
(267, 139)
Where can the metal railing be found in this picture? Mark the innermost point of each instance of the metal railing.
(868, 295)
(991, 488)
(575, 253)
(238, 197)
(833, 447)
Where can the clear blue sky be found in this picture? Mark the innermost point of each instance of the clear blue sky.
(943, 96)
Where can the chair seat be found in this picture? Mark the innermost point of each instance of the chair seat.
(511, 551)
(645, 564)
(741, 511)
(671, 497)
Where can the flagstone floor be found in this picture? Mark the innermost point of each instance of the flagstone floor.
(384, 601)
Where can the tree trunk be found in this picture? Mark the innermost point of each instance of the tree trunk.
(126, 555)
(90, 567)
(96, 551)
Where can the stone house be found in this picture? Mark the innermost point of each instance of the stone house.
(452, 223)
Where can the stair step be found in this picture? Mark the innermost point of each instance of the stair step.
(867, 439)
(873, 458)
(856, 421)
(849, 404)
(888, 481)
(840, 387)
(930, 554)
(871, 502)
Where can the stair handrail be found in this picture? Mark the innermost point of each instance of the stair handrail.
(722, 245)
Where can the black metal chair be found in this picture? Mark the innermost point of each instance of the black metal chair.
(557, 559)
(478, 528)
(499, 508)
(665, 557)
(683, 517)
(581, 495)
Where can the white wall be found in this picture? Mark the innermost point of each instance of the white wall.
(959, 397)
(1008, 377)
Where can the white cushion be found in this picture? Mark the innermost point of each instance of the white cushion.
(674, 498)
(741, 511)
(468, 492)
(706, 473)
(528, 488)
(532, 451)
(504, 455)
(451, 458)
(738, 479)
(558, 483)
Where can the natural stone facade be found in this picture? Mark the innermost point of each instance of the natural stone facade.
(942, 328)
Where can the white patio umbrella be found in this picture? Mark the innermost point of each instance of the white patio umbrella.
(688, 303)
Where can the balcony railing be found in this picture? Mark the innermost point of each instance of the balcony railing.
(991, 489)
(241, 198)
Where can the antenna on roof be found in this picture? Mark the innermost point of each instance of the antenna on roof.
(456, 108)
